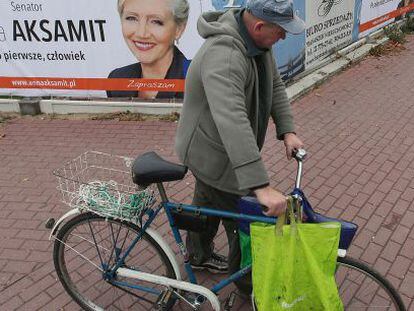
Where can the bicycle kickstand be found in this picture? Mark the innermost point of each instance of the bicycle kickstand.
(168, 297)
(229, 304)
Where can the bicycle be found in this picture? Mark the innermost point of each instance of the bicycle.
(108, 256)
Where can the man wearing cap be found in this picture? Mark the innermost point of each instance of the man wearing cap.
(232, 89)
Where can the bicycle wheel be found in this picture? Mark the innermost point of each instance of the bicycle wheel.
(363, 288)
(86, 242)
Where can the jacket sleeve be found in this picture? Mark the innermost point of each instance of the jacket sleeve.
(224, 71)
(281, 112)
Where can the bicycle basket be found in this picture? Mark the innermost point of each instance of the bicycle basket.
(102, 183)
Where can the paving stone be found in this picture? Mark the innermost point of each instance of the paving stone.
(400, 267)
(408, 285)
(371, 253)
(13, 304)
(382, 266)
(41, 286)
(37, 303)
(391, 250)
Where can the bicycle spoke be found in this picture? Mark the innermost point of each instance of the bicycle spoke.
(90, 242)
(126, 237)
(81, 255)
(114, 241)
(97, 248)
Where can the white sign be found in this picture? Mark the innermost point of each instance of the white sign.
(329, 27)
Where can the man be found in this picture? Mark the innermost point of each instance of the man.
(232, 89)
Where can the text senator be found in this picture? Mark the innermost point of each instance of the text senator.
(26, 7)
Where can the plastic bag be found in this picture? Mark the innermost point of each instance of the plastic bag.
(293, 268)
(245, 247)
(249, 206)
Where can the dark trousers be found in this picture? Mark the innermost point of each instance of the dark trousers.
(200, 244)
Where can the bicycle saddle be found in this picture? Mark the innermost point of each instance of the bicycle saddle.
(149, 168)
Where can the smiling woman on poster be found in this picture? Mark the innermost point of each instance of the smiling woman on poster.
(150, 29)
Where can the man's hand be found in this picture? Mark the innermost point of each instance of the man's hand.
(272, 199)
(292, 143)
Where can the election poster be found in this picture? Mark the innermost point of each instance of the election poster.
(84, 48)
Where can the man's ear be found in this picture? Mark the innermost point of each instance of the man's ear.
(258, 26)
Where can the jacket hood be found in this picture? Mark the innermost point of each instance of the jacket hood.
(219, 23)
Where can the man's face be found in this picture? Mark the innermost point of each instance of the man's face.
(268, 34)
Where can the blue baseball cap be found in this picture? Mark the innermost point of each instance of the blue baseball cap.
(278, 12)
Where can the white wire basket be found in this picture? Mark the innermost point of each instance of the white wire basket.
(102, 183)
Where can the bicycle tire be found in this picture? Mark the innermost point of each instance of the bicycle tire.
(85, 283)
(364, 295)
(362, 287)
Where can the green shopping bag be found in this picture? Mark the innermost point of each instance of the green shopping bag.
(294, 265)
(245, 248)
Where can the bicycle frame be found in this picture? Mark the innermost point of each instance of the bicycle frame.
(168, 207)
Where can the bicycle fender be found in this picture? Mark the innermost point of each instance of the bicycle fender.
(167, 249)
(71, 213)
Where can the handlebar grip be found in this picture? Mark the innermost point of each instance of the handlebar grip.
(299, 154)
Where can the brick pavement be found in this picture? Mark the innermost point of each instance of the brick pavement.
(358, 131)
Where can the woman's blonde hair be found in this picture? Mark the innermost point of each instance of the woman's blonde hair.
(179, 9)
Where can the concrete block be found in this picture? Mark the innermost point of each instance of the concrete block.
(29, 106)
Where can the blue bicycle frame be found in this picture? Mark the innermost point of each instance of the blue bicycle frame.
(168, 207)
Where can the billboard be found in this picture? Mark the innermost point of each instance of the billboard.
(70, 48)
(82, 48)
(330, 26)
(375, 14)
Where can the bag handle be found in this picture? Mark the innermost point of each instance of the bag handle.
(293, 206)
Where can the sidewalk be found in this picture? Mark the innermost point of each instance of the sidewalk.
(358, 131)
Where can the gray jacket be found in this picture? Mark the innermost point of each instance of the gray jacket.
(217, 132)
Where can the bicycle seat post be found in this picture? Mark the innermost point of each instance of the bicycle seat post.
(162, 192)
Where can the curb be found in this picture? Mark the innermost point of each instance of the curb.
(342, 61)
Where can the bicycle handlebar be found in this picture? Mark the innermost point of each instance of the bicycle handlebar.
(299, 156)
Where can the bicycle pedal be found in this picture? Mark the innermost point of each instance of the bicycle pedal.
(229, 304)
(165, 300)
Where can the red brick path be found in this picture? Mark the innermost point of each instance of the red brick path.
(358, 130)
